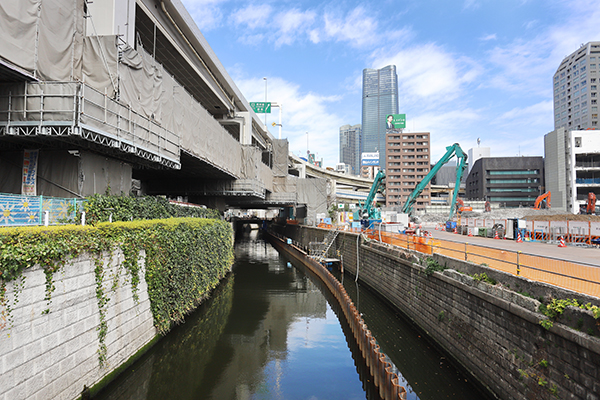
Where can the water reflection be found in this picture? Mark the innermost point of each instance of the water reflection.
(423, 371)
(266, 333)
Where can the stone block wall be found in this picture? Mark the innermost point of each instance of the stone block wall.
(496, 339)
(49, 350)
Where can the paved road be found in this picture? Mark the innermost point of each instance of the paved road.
(569, 253)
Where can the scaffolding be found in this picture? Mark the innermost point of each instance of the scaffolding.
(74, 110)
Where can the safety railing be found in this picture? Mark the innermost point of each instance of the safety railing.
(577, 276)
(77, 110)
(18, 210)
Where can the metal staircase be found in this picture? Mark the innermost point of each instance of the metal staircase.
(320, 249)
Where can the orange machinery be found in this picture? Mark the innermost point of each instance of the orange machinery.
(543, 201)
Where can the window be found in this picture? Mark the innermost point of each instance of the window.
(515, 172)
(530, 180)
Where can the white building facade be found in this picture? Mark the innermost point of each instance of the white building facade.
(572, 167)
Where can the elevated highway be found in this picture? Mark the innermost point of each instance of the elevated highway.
(140, 104)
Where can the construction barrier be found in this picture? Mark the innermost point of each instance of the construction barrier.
(584, 232)
(385, 379)
(580, 277)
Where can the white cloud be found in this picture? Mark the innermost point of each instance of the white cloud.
(206, 13)
(357, 28)
(535, 115)
(488, 37)
(302, 112)
(527, 66)
(292, 22)
(253, 16)
(429, 74)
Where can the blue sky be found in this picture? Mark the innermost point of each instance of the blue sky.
(466, 69)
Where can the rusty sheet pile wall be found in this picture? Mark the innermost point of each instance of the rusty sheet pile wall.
(381, 370)
(491, 330)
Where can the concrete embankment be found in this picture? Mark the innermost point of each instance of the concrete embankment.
(492, 331)
(50, 350)
(79, 303)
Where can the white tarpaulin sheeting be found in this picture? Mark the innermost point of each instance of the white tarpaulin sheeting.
(100, 63)
(43, 37)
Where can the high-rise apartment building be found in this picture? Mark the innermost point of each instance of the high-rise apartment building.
(350, 147)
(379, 99)
(408, 162)
(576, 89)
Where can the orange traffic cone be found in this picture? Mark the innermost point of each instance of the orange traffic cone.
(470, 232)
(519, 240)
(562, 242)
(436, 228)
(496, 235)
(455, 231)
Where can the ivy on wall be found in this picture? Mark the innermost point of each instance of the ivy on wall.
(185, 259)
(100, 207)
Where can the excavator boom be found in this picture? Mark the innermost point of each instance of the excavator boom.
(451, 151)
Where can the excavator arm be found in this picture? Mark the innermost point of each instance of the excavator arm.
(538, 202)
(368, 209)
(451, 151)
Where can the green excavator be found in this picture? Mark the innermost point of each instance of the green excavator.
(451, 151)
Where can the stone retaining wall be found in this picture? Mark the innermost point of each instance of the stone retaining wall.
(53, 354)
(493, 332)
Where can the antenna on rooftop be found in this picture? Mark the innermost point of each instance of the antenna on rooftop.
(478, 141)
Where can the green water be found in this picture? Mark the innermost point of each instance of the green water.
(268, 332)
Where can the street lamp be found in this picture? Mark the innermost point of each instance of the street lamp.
(265, 79)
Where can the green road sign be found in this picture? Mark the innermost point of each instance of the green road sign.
(260, 107)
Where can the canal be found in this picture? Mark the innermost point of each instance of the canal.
(268, 332)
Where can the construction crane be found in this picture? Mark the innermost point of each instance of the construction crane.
(367, 210)
(451, 151)
(543, 199)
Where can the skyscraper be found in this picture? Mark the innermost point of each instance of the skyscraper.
(350, 147)
(379, 98)
(576, 89)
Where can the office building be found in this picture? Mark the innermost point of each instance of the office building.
(576, 89)
(350, 147)
(475, 154)
(572, 167)
(369, 165)
(408, 162)
(379, 99)
(510, 181)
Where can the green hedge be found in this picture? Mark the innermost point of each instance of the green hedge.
(99, 207)
(185, 258)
